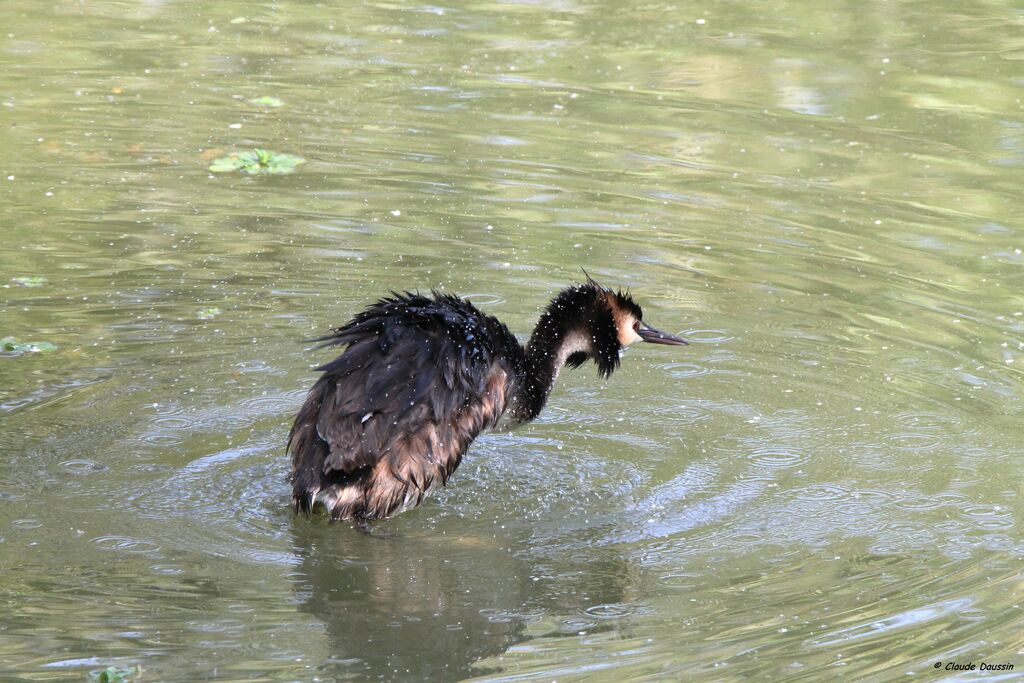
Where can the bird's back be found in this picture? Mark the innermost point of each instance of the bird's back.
(392, 416)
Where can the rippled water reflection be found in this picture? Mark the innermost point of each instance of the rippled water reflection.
(823, 199)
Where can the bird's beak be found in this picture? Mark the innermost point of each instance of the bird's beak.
(649, 334)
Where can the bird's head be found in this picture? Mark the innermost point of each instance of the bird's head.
(597, 323)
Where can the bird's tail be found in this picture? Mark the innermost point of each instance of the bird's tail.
(308, 451)
(314, 483)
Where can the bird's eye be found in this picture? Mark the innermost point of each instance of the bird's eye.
(636, 326)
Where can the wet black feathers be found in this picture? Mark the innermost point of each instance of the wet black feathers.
(401, 394)
(420, 377)
(410, 349)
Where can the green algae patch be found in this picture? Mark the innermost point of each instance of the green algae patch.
(267, 101)
(115, 674)
(257, 161)
(9, 346)
(29, 281)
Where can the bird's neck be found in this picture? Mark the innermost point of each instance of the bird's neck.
(550, 346)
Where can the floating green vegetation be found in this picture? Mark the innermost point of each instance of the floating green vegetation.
(257, 161)
(267, 101)
(9, 346)
(29, 281)
(115, 674)
(208, 313)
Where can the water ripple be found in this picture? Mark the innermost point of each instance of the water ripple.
(876, 628)
(915, 443)
(818, 493)
(83, 467)
(708, 336)
(685, 370)
(126, 544)
(484, 300)
(776, 456)
(614, 610)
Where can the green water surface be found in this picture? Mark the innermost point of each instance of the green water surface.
(827, 198)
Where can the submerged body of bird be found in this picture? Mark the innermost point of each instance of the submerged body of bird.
(422, 376)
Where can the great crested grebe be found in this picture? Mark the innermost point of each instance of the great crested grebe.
(423, 375)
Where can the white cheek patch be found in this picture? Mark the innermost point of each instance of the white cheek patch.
(627, 335)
